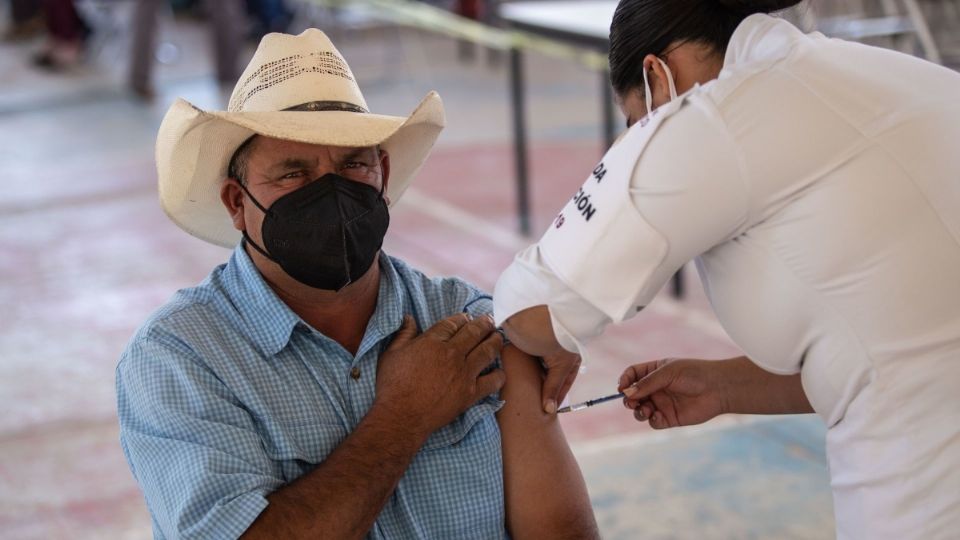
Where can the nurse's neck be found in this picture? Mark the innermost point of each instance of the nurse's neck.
(692, 63)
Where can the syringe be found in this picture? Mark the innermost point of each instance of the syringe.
(590, 403)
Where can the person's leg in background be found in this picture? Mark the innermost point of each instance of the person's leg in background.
(269, 16)
(228, 18)
(228, 30)
(491, 17)
(67, 34)
(471, 9)
(26, 20)
(143, 46)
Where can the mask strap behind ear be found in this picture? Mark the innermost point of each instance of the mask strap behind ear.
(250, 195)
(648, 95)
(673, 86)
(246, 237)
(248, 240)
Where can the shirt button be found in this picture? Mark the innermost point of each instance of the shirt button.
(355, 373)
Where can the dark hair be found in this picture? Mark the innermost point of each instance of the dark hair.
(642, 27)
(238, 162)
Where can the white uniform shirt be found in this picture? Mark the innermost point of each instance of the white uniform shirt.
(817, 184)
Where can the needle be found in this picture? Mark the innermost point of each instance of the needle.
(590, 403)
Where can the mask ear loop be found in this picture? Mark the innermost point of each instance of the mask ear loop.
(648, 99)
(673, 86)
(648, 96)
(252, 198)
(246, 237)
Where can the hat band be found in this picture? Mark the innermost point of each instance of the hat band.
(314, 106)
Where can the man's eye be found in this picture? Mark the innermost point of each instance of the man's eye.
(294, 174)
(354, 165)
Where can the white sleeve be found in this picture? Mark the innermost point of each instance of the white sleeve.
(530, 282)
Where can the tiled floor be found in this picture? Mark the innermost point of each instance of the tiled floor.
(87, 254)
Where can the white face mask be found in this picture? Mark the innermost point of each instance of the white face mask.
(648, 96)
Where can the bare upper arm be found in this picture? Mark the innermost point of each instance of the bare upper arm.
(545, 493)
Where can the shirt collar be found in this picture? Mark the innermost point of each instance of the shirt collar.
(759, 41)
(270, 322)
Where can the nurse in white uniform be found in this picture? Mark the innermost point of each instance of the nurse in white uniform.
(816, 183)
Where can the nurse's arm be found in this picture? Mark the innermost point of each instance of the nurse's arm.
(672, 393)
(751, 389)
(532, 331)
(544, 490)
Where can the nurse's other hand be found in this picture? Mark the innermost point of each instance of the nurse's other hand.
(562, 368)
(671, 393)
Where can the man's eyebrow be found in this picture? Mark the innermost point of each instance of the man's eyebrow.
(293, 163)
(354, 153)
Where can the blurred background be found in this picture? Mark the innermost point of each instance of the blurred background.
(86, 252)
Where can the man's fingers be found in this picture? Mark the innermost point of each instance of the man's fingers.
(472, 334)
(447, 328)
(483, 354)
(490, 383)
(406, 333)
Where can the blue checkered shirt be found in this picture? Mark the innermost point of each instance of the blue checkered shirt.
(225, 395)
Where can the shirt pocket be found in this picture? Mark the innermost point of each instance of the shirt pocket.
(462, 430)
(298, 448)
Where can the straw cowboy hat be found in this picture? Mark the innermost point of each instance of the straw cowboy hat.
(305, 72)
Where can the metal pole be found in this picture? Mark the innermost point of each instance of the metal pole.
(677, 284)
(520, 139)
(608, 113)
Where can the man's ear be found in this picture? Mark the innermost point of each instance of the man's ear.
(385, 171)
(659, 85)
(232, 197)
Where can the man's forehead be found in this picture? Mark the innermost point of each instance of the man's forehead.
(271, 147)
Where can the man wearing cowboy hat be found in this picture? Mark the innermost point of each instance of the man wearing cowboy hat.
(291, 393)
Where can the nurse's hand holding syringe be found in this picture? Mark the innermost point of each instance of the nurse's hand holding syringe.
(672, 393)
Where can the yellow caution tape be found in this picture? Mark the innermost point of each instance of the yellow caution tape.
(427, 17)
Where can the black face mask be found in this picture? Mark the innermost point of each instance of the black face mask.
(325, 234)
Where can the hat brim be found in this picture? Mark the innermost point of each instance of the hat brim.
(194, 148)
